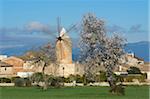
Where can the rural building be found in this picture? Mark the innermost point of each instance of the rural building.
(132, 60)
(5, 69)
(17, 63)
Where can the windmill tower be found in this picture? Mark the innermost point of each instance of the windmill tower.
(64, 48)
(64, 52)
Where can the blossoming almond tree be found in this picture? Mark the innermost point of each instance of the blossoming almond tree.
(97, 48)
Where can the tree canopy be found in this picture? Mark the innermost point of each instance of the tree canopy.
(97, 48)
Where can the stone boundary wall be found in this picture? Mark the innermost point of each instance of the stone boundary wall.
(90, 84)
(7, 84)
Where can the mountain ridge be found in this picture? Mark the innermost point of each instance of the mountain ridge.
(140, 49)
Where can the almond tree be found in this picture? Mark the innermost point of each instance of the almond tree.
(97, 49)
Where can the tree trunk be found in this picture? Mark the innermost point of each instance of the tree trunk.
(85, 79)
(112, 84)
(45, 84)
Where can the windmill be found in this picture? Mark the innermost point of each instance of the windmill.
(63, 45)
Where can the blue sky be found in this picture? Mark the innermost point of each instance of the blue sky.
(129, 17)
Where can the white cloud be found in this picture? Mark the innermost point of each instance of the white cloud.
(115, 28)
(37, 26)
(137, 28)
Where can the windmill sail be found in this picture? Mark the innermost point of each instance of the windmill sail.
(62, 32)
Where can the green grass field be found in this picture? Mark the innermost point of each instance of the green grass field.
(132, 92)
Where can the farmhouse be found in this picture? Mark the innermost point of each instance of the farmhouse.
(15, 62)
(6, 70)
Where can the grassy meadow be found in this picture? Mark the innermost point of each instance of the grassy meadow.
(131, 92)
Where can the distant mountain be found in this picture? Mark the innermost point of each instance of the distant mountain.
(12, 47)
(140, 49)
(18, 46)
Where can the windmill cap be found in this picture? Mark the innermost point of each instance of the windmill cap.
(63, 33)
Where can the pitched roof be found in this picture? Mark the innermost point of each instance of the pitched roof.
(13, 58)
(3, 64)
(139, 58)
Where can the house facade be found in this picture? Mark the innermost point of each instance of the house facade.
(16, 63)
(6, 70)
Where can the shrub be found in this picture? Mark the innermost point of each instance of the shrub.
(139, 77)
(119, 78)
(56, 82)
(79, 79)
(14, 78)
(144, 75)
(5, 80)
(20, 82)
(97, 78)
(37, 77)
(134, 70)
(103, 77)
(87, 80)
(27, 82)
(72, 78)
(67, 80)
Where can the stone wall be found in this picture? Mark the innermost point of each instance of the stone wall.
(17, 63)
(6, 70)
(66, 69)
(63, 70)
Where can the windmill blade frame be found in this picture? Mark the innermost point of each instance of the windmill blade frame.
(58, 25)
(74, 26)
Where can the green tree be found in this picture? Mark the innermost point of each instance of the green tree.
(134, 70)
(37, 77)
